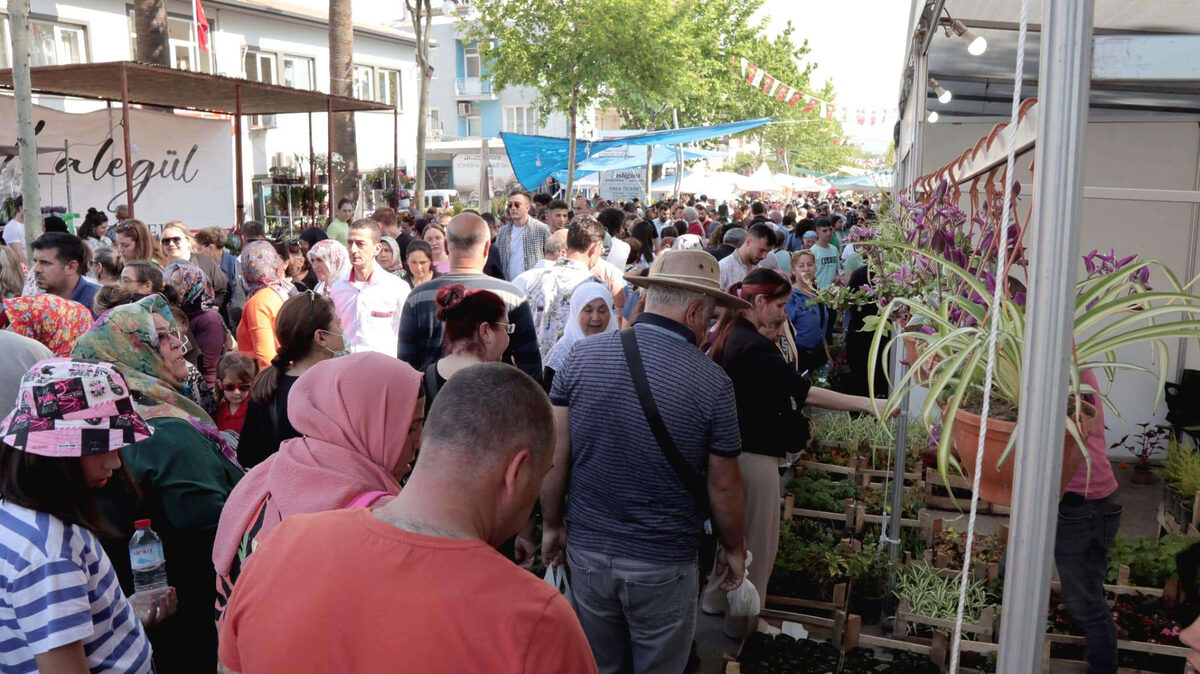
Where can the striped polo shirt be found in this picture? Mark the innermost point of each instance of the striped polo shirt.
(624, 498)
(58, 587)
(421, 332)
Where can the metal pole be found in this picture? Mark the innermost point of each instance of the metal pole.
(67, 173)
(396, 154)
(128, 144)
(483, 172)
(312, 174)
(1064, 76)
(916, 155)
(898, 455)
(237, 164)
(649, 174)
(329, 156)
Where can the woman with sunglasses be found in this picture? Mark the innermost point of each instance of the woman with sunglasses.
(179, 246)
(184, 471)
(477, 331)
(309, 332)
(134, 242)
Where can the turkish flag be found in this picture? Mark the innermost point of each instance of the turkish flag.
(201, 27)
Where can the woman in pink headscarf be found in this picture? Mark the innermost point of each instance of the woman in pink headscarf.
(350, 411)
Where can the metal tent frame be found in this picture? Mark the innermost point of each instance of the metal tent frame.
(133, 83)
(1068, 89)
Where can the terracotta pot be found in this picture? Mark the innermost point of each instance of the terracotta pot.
(910, 350)
(1142, 474)
(996, 483)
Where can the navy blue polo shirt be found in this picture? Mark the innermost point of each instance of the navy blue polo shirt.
(85, 293)
(623, 497)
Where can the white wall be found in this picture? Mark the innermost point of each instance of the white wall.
(1120, 152)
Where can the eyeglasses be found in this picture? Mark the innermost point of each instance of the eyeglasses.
(172, 241)
(164, 335)
(507, 327)
(230, 388)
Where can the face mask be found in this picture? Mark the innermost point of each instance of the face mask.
(340, 352)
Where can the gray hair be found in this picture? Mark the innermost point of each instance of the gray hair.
(555, 246)
(690, 214)
(676, 300)
(735, 237)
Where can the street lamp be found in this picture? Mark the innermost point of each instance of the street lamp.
(943, 95)
(976, 44)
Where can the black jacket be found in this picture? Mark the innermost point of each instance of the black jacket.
(765, 387)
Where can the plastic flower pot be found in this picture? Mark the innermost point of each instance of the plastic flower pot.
(996, 481)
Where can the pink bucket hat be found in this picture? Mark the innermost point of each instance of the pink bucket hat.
(71, 408)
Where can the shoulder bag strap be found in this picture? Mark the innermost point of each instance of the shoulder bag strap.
(692, 481)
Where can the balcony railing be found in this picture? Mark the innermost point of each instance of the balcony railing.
(473, 87)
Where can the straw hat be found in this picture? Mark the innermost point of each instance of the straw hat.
(693, 270)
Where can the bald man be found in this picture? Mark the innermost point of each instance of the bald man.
(468, 238)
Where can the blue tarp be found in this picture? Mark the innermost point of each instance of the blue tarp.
(534, 158)
(659, 155)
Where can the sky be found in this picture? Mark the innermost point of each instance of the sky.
(859, 44)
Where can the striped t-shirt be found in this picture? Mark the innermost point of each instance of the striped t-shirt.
(624, 498)
(57, 587)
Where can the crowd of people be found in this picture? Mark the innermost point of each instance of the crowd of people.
(384, 423)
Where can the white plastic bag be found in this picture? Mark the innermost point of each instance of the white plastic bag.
(556, 577)
(743, 601)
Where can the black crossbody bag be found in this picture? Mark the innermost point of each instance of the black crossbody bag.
(693, 481)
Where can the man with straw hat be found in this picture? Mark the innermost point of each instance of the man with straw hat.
(647, 446)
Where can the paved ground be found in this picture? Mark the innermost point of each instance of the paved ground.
(1139, 520)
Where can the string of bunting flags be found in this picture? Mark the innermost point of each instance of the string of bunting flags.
(785, 93)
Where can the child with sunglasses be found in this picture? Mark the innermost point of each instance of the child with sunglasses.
(235, 373)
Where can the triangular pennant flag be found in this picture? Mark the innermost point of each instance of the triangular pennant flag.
(751, 72)
(767, 83)
(776, 86)
(796, 96)
(809, 105)
(759, 76)
(783, 93)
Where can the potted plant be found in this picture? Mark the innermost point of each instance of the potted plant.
(953, 350)
(1181, 481)
(869, 569)
(1143, 445)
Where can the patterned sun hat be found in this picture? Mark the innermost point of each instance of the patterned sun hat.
(70, 408)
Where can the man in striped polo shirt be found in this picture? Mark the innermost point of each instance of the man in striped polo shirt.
(421, 332)
(635, 529)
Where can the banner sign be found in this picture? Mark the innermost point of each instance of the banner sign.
(466, 172)
(182, 166)
(627, 184)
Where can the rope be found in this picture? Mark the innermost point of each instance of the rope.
(997, 296)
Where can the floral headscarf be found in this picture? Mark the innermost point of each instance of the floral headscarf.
(260, 268)
(195, 290)
(125, 336)
(336, 258)
(49, 319)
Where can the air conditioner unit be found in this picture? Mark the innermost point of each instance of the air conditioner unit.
(464, 109)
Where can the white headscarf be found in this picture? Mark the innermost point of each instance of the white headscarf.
(580, 297)
(336, 258)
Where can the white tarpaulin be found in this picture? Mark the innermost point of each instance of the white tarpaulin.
(760, 181)
(182, 166)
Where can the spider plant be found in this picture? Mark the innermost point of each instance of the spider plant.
(1113, 309)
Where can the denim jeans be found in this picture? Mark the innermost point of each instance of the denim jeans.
(638, 616)
(1086, 530)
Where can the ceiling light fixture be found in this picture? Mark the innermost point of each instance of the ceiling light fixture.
(943, 95)
(976, 44)
(933, 117)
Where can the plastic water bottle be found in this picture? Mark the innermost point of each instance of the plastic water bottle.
(149, 567)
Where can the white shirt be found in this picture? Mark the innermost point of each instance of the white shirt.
(618, 255)
(14, 232)
(522, 279)
(732, 269)
(370, 310)
(847, 251)
(516, 250)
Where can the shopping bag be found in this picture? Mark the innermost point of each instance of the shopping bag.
(556, 577)
(744, 601)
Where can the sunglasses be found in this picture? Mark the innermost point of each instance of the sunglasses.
(172, 241)
(230, 388)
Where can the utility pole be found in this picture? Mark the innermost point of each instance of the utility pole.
(26, 139)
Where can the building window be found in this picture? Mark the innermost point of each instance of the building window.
(433, 60)
(362, 82)
(298, 72)
(474, 126)
(471, 63)
(260, 67)
(184, 48)
(387, 89)
(53, 44)
(520, 119)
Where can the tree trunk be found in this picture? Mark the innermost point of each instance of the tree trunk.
(153, 42)
(573, 115)
(421, 14)
(344, 141)
(26, 139)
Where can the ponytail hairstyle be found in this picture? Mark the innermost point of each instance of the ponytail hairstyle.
(463, 311)
(91, 221)
(296, 325)
(758, 283)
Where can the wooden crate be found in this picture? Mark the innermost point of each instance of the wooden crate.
(1170, 593)
(846, 517)
(934, 481)
(985, 628)
(840, 600)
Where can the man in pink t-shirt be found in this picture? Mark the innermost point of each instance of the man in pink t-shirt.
(417, 584)
(1088, 519)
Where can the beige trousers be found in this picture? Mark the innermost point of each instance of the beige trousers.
(760, 474)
